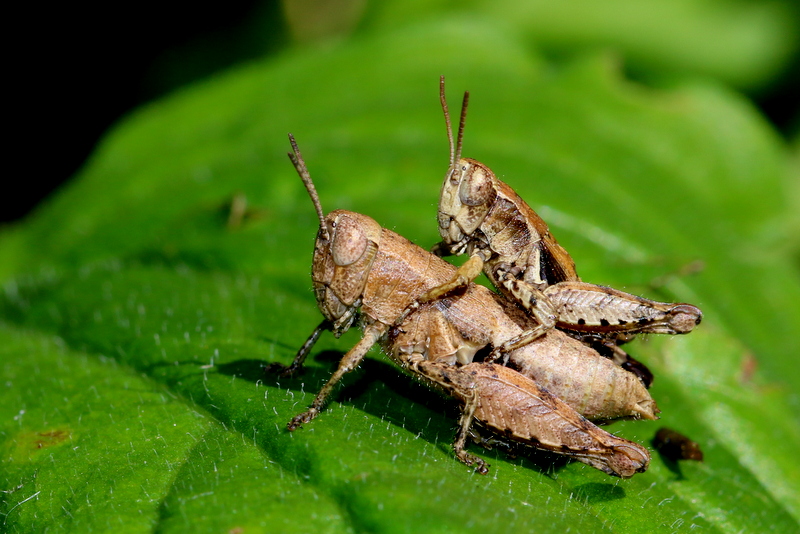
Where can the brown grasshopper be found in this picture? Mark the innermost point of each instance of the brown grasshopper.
(362, 269)
(482, 216)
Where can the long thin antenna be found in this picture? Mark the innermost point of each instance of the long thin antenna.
(443, 100)
(461, 123)
(302, 170)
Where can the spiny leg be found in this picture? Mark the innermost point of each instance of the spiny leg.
(515, 406)
(465, 422)
(593, 308)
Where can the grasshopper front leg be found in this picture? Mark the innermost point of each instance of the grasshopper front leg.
(538, 304)
(572, 305)
(463, 277)
(302, 353)
(349, 362)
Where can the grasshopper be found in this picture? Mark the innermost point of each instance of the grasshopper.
(483, 217)
(362, 269)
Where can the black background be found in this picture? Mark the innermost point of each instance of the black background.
(73, 71)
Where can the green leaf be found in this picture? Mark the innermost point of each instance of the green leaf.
(135, 322)
(743, 43)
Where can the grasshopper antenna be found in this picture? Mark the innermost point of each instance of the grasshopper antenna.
(455, 148)
(443, 100)
(461, 122)
(302, 170)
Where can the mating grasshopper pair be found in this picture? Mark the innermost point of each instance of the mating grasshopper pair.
(435, 323)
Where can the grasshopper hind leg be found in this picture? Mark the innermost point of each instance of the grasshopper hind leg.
(464, 425)
(454, 382)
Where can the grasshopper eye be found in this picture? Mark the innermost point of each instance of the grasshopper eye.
(454, 174)
(476, 188)
(348, 242)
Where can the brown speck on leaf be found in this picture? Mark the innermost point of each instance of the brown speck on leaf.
(50, 438)
(675, 446)
(237, 210)
(749, 367)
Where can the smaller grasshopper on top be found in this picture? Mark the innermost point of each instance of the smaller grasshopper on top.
(482, 216)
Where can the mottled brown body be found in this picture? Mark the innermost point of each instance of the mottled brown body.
(360, 267)
(483, 217)
(454, 329)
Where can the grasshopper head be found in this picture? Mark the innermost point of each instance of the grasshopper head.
(468, 191)
(467, 195)
(343, 256)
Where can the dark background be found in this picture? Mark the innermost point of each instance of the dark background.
(75, 70)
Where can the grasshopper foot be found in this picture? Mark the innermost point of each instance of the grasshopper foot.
(283, 371)
(470, 459)
(301, 419)
(498, 355)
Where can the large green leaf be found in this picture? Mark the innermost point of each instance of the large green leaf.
(744, 43)
(136, 321)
